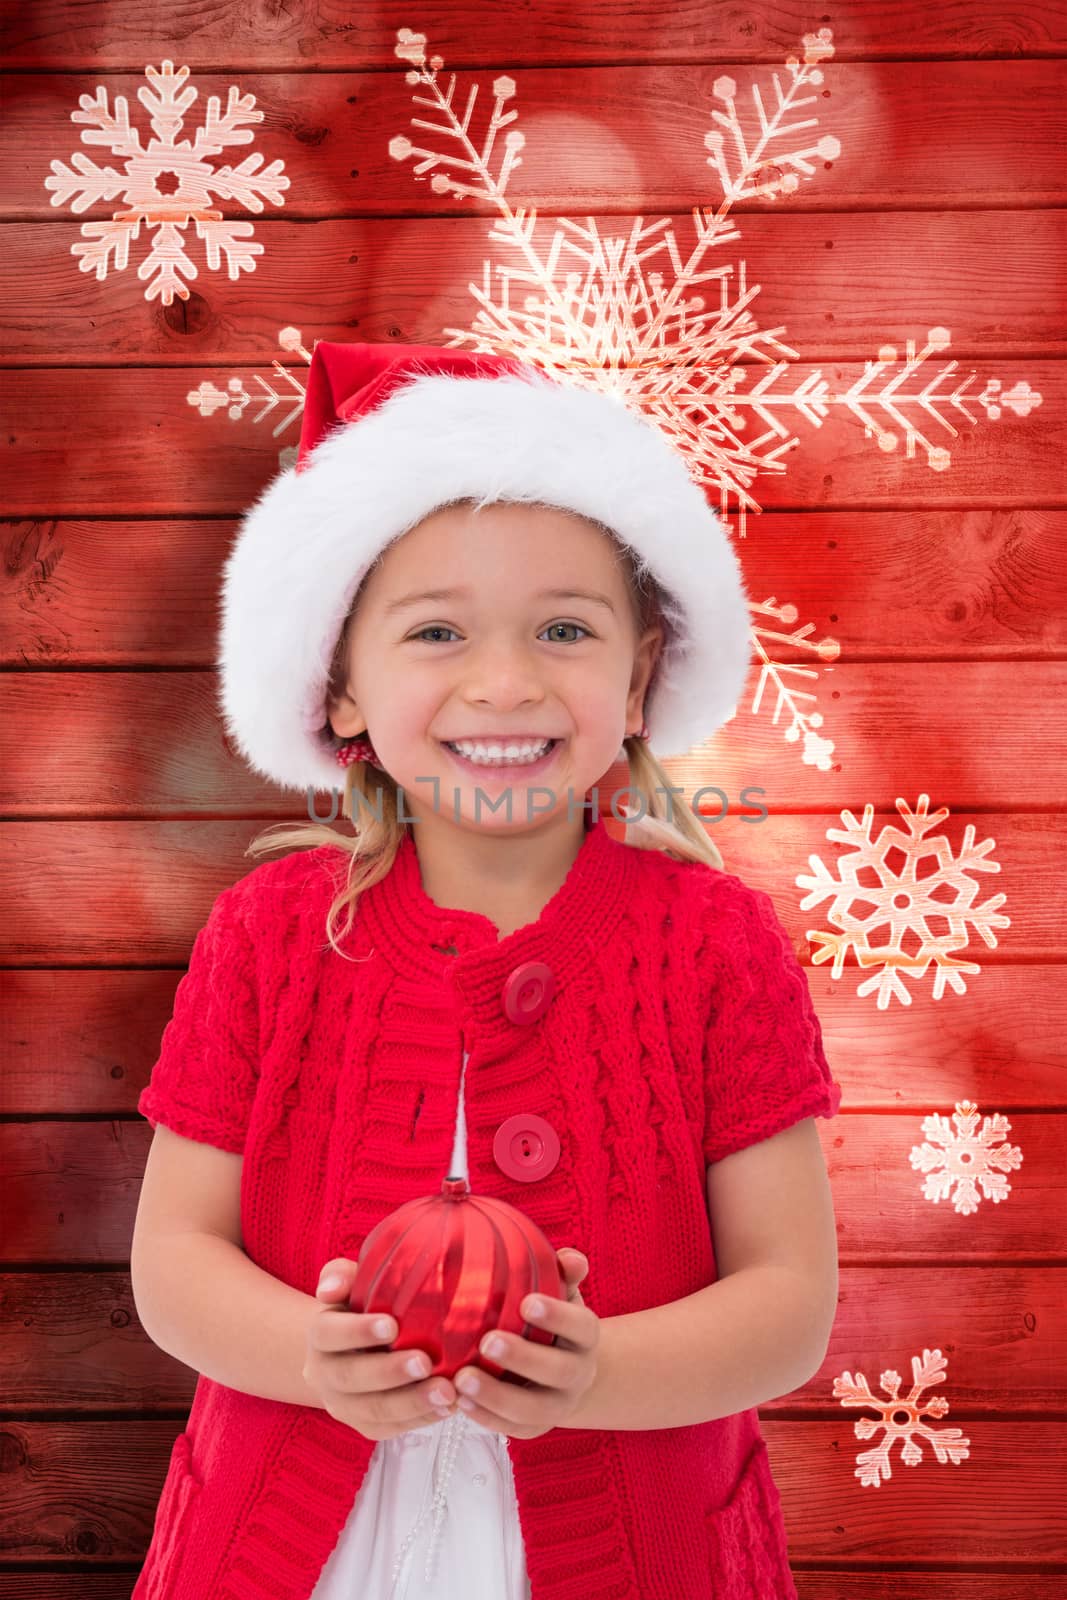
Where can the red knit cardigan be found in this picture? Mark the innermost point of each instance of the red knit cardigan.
(680, 1028)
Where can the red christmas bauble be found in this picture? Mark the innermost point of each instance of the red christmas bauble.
(449, 1268)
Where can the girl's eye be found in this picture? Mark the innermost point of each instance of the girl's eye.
(568, 625)
(440, 627)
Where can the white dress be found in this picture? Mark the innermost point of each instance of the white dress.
(436, 1513)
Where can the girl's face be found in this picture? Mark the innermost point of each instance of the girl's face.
(496, 655)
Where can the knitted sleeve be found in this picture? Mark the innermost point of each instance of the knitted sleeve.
(764, 1063)
(204, 1080)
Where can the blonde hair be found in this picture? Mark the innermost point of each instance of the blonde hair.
(373, 845)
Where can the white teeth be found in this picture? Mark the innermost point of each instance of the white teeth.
(500, 755)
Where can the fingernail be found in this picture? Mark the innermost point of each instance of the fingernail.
(385, 1327)
(330, 1284)
(418, 1367)
(534, 1308)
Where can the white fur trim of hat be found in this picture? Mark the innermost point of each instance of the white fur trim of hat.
(306, 544)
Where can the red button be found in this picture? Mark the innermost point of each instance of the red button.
(526, 1147)
(528, 992)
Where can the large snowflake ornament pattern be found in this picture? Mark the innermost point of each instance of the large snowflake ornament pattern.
(901, 1418)
(166, 183)
(621, 314)
(674, 336)
(965, 1158)
(892, 896)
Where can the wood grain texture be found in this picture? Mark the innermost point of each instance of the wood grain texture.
(941, 134)
(71, 1194)
(970, 585)
(1004, 1317)
(179, 466)
(87, 1036)
(838, 284)
(814, 1582)
(122, 892)
(83, 1489)
(319, 34)
(150, 743)
(123, 811)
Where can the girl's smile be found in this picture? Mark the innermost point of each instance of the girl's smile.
(505, 764)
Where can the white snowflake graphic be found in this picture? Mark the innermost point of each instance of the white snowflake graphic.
(901, 1419)
(966, 1159)
(902, 901)
(803, 725)
(166, 184)
(289, 393)
(601, 312)
(673, 336)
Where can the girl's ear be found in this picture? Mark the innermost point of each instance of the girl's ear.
(343, 715)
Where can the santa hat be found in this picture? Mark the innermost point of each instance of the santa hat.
(391, 433)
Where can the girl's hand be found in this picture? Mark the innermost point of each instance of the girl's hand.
(557, 1376)
(363, 1386)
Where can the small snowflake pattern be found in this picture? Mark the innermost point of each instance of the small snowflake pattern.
(285, 395)
(965, 1159)
(770, 622)
(880, 901)
(901, 1418)
(166, 183)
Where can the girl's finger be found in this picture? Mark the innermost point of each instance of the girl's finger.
(358, 1373)
(570, 1320)
(574, 1266)
(336, 1279)
(546, 1366)
(488, 1419)
(348, 1330)
(498, 1404)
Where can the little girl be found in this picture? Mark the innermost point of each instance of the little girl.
(474, 587)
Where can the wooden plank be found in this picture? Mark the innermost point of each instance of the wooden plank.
(1002, 1505)
(962, 1583)
(898, 234)
(65, 34)
(72, 1343)
(57, 455)
(879, 585)
(133, 893)
(192, 862)
(1016, 1501)
(127, 744)
(72, 1187)
(841, 284)
(935, 134)
(84, 1040)
(852, 1583)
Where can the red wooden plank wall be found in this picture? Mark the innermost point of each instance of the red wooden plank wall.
(907, 549)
